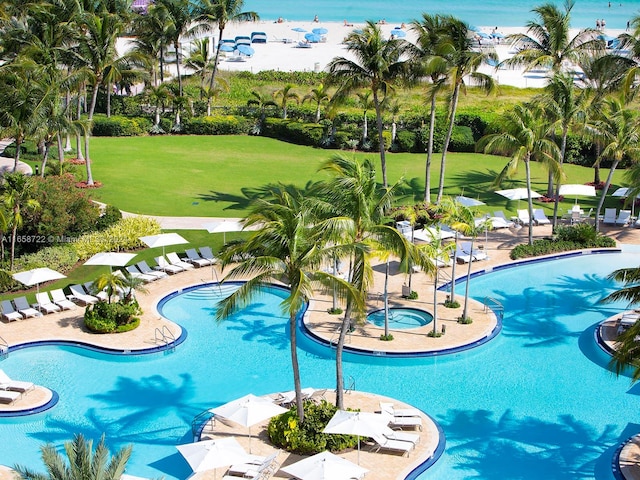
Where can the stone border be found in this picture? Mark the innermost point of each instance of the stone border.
(50, 400)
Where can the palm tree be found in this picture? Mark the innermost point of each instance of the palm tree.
(620, 133)
(157, 96)
(84, 463)
(199, 59)
(110, 283)
(547, 43)
(356, 207)
(524, 136)
(432, 63)
(17, 196)
(151, 39)
(366, 104)
(378, 65)
(210, 94)
(261, 101)
(463, 61)
(285, 249)
(221, 12)
(285, 94)
(319, 96)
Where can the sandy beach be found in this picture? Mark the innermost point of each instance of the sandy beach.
(281, 52)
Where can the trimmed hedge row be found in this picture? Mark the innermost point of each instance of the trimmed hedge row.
(295, 132)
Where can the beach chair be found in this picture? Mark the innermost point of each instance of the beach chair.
(539, 217)
(401, 435)
(384, 443)
(256, 468)
(609, 216)
(24, 308)
(175, 260)
(9, 312)
(78, 294)
(476, 254)
(623, 217)
(523, 217)
(58, 297)
(194, 258)
(399, 412)
(7, 396)
(165, 266)
(100, 294)
(205, 252)
(44, 303)
(7, 383)
(462, 256)
(144, 267)
(135, 273)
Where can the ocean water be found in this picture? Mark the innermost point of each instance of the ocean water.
(500, 13)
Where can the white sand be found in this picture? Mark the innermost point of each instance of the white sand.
(281, 56)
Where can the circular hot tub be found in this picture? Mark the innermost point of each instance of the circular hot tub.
(401, 318)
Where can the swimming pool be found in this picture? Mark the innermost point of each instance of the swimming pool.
(536, 402)
(401, 318)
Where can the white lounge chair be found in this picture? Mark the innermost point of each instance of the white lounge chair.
(609, 216)
(403, 422)
(9, 312)
(476, 254)
(258, 467)
(384, 443)
(401, 435)
(539, 217)
(174, 259)
(399, 412)
(7, 383)
(500, 221)
(196, 259)
(44, 303)
(523, 217)
(7, 396)
(135, 273)
(57, 296)
(92, 290)
(23, 307)
(145, 268)
(462, 256)
(166, 267)
(205, 252)
(78, 294)
(623, 217)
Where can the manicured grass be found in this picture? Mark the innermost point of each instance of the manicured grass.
(212, 176)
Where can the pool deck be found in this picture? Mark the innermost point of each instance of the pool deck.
(68, 325)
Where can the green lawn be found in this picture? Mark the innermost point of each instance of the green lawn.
(210, 176)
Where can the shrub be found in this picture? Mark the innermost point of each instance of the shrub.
(296, 132)
(116, 126)
(465, 320)
(110, 216)
(386, 338)
(452, 304)
(286, 432)
(116, 317)
(334, 311)
(406, 141)
(61, 258)
(123, 235)
(567, 238)
(462, 140)
(216, 125)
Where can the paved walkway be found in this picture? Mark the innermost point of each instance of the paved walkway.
(6, 164)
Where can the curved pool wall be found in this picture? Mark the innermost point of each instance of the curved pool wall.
(424, 317)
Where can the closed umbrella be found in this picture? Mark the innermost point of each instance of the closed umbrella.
(211, 454)
(362, 424)
(163, 240)
(36, 276)
(325, 466)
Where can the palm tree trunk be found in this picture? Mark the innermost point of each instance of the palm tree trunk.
(596, 167)
(60, 151)
(16, 157)
(108, 99)
(296, 368)
(215, 62)
(383, 160)
(427, 176)
(563, 149)
(176, 45)
(435, 300)
(79, 154)
(346, 320)
(14, 234)
(87, 135)
(45, 157)
(465, 311)
(318, 114)
(527, 168)
(453, 270)
(386, 299)
(614, 165)
(447, 139)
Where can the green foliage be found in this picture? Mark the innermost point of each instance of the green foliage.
(292, 131)
(277, 76)
(406, 141)
(386, 338)
(216, 125)
(433, 334)
(28, 151)
(286, 432)
(334, 311)
(462, 140)
(465, 320)
(117, 126)
(413, 295)
(111, 216)
(104, 317)
(123, 235)
(452, 304)
(61, 258)
(574, 237)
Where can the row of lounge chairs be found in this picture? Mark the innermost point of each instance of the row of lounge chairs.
(539, 218)
(465, 254)
(257, 467)
(611, 217)
(11, 390)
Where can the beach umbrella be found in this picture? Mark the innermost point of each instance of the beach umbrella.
(226, 47)
(396, 32)
(624, 192)
(577, 190)
(211, 454)
(298, 29)
(429, 234)
(245, 50)
(517, 194)
(320, 31)
(36, 276)
(497, 35)
(325, 466)
(112, 259)
(312, 37)
(468, 202)
(223, 227)
(483, 35)
(248, 411)
(163, 240)
(362, 424)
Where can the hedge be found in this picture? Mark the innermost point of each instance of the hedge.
(295, 132)
(216, 125)
(117, 126)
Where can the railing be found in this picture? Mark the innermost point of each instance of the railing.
(165, 336)
(333, 343)
(349, 384)
(4, 349)
(200, 422)
(495, 305)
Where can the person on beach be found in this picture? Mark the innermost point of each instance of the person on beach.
(598, 24)
(315, 19)
(603, 23)
(346, 24)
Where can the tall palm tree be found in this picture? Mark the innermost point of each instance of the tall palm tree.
(524, 135)
(286, 249)
(82, 463)
(261, 101)
(158, 97)
(152, 32)
(620, 133)
(221, 13)
(285, 94)
(548, 44)
(318, 96)
(365, 103)
(463, 61)
(199, 59)
(377, 64)
(431, 61)
(17, 196)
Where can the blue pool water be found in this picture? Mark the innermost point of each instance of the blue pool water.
(401, 318)
(488, 13)
(535, 403)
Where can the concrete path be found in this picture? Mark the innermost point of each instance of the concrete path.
(6, 164)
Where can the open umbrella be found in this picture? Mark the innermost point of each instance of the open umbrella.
(211, 454)
(397, 33)
(226, 47)
(224, 226)
(245, 50)
(36, 276)
(320, 31)
(517, 194)
(577, 190)
(362, 424)
(325, 466)
(624, 192)
(248, 411)
(112, 259)
(162, 240)
(468, 202)
(312, 37)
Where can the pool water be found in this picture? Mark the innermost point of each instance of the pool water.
(535, 403)
(401, 318)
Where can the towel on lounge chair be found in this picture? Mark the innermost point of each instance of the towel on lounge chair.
(6, 383)
(196, 259)
(205, 252)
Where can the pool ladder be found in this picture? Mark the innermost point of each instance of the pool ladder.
(333, 343)
(200, 423)
(165, 336)
(491, 303)
(4, 349)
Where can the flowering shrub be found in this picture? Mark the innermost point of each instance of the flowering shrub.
(123, 235)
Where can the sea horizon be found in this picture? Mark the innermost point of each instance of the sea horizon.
(494, 13)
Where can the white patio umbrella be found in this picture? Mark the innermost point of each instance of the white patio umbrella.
(577, 190)
(468, 202)
(362, 424)
(112, 259)
(624, 192)
(211, 454)
(429, 234)
(36, 276)
(325, 466)
(224, 226)
(162, 240)
(248, 411)
(517, 194)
